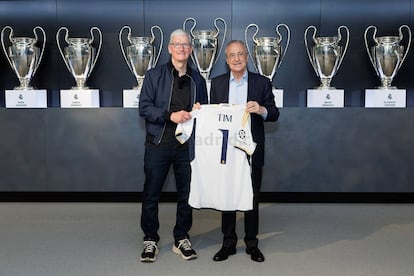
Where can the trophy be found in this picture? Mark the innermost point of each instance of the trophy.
(205, 44)
(79, 56)
(140, 54)
(23, 55)
(326, 55)
(267, 51)
(387, 55)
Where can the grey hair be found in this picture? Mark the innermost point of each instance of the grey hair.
(235, 41)
(179, 32)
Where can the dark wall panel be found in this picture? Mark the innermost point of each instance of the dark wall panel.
(94, 150)
(308, 150)
(22, 150)
(347, 150)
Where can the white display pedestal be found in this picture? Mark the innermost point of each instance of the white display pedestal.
(325, 98)
(26, 98)
(131, 98)
(389, 98)
(76, 98)
(278, 94)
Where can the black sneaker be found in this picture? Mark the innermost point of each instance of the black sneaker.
(183, 247)
(149, 254)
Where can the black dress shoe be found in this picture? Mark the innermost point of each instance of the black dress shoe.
(224, 253)
(255, 254)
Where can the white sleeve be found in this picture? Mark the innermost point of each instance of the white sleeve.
(244, 139)
(183, 130)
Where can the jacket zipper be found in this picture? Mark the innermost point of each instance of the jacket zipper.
(193, 96)
(169, 103)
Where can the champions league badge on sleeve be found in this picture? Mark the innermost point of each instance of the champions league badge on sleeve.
(244, 139)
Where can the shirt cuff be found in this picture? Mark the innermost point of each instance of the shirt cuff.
(264, 115)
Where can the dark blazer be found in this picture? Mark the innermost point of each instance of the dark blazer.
(259, 90)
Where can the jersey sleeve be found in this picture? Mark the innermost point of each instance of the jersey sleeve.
(183, 130)
(244, 139)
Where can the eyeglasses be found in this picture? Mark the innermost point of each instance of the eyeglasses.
(236, 55)
(179, 45)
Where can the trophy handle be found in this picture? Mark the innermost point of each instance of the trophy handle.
(192, 28)
(218, 31)
(408, 43)
(58, 44)
(307, 47)
(191, 33)
(346, 43)
(99, 47)
(43, 46)
(10, 39)
(254, 40)
(122, 45)
(161, 42)
(367, 46)
(287, 40)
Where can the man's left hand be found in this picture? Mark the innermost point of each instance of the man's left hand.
(254, 107)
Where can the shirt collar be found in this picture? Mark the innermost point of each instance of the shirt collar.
(244, 78)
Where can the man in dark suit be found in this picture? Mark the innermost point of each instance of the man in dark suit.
(239, 86)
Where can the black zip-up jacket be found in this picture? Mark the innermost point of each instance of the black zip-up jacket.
(155, 97)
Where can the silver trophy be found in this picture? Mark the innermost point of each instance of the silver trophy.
(79, 55)
(23, 55)
(326, 54)
(268, 52)
(387, 55)
(205, 45)
(140, 55)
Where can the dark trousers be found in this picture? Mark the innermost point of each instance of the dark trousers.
(157, 162)
(251, 218)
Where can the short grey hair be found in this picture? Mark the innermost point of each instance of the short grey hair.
(235, 41)
(180, 32)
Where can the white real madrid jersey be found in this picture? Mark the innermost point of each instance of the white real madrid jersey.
(220, 175)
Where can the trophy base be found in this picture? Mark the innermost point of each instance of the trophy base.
(385, 98)
(322, 87)
(27, 98)
(26, 88)
(386, 87)
(80, 88)
(325, 98)
(75, 98)
(278, 94)
(131, 97)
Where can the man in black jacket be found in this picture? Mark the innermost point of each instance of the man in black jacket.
(167, 97)
(240, 86)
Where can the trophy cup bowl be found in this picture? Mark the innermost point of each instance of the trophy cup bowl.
(140, 54)
(326, 55)
(267, 55)
(23, 55)
(268, 52)
(79, 55)
(387, 55)
(205, 45)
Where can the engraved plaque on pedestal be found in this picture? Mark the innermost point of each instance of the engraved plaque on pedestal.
(388, 98)
(278, 93)
(33, 98)
(325, 98)
(73, 98)
(131, 98)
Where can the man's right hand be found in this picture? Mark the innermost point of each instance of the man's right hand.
(180, 116)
